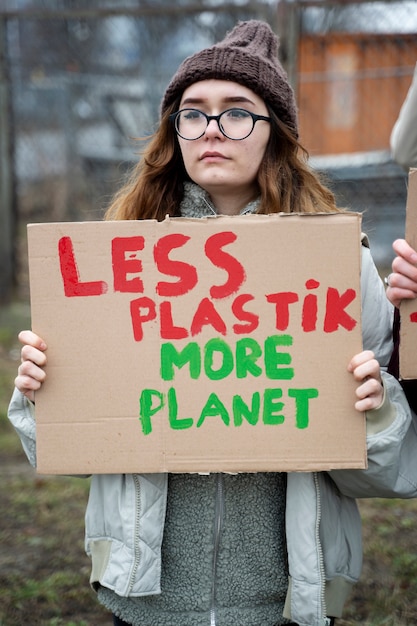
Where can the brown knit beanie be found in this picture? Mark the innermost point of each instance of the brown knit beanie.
(248, 55)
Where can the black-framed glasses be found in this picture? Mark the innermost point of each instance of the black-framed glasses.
(236, 124)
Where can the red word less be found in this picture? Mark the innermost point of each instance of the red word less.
(125, 263)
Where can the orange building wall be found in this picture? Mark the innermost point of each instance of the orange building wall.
(350, 89)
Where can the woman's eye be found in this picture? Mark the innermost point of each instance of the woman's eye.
(192, 115)
(238, 114)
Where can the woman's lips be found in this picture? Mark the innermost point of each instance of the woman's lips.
(207, 156)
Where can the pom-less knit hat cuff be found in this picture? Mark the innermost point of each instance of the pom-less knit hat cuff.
(248, 55)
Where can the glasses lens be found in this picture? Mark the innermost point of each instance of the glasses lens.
(236, 123)
(190, 123)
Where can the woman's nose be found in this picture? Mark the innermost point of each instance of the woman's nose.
(213, 129)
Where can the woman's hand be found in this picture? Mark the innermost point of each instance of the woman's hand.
(30, 374)
(366, 371)
(402, 282)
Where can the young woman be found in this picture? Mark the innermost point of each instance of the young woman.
(250, 549)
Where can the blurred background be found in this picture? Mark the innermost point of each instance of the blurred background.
(79, 82)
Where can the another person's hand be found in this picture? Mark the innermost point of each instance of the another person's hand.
(33, 359)
(366, 371)
(402, 282)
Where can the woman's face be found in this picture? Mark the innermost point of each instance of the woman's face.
(220, 165)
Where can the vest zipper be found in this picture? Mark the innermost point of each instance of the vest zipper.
(218, 525)
(319, 547)
(136, 548)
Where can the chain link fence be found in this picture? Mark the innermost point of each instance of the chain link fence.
(82, 84)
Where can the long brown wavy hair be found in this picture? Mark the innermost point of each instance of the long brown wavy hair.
(154, 188)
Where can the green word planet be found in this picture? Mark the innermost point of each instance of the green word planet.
(217, 360)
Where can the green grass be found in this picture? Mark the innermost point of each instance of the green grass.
(44, 571)
(387, 592)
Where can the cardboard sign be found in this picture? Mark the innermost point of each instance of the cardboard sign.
(192, 345)
(408, 333)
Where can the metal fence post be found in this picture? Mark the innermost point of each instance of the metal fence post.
(7, 217)
(293, 36)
